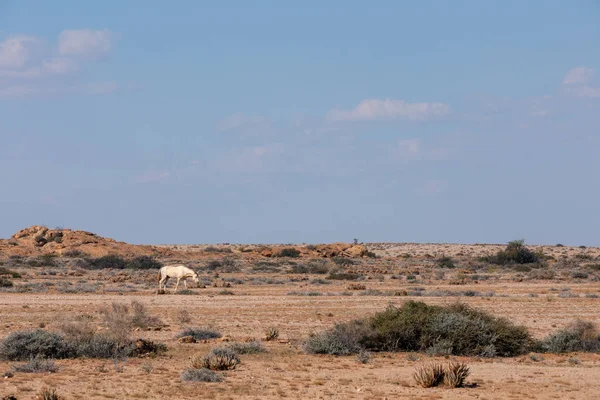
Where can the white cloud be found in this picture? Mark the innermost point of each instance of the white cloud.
(84, 42)
(59, 66)
(586, 91)
(375, 109)
(16, 51)
(576, 82)
(578, 75)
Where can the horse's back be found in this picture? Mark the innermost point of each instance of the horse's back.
(176, 269)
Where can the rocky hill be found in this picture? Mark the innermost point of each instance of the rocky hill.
(39, 240)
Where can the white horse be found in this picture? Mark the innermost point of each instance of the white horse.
(175, 271)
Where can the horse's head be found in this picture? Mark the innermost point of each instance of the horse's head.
(195, 277)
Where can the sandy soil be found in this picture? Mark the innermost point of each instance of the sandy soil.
(286, 371)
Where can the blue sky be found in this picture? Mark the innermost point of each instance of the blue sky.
(259, 122)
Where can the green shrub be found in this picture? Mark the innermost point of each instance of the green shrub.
(199, 333)
(200, 375)
(515, 253)
(343, 276)
(5, 283)
(342, 261)
(23, 345)
(12, 274)
(455, 329)
(578, 336)
(110, 261)
(288, 252)
(418, 326)
(103, 346)
(446, 262)
(213, 249)
(144, 262)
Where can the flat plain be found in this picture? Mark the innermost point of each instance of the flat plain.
(246, 292)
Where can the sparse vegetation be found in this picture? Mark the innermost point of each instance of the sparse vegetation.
(6, 283)
(363, 357)
(144, 262)
(253, 347)
(200, 375)
(344, 276)
(343, 261)
(12, 274)
(288, 252)
(446, 262)
(36, 365)
(48, 394)
(356, 286)
(218, 359)
(313, 267)
(199, 333)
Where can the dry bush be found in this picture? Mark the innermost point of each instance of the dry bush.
(23, 345)
(36, 365)
(218, 359)
(183, 316)
(200, 375)
(356, 286)
(578, 336)
(342, 340)
(271, 333)
(199, 333)
(48, 394)
(121, 318)
(253, 347)
(456, 374)
(429, 375)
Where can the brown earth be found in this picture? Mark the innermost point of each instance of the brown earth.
(296, 304)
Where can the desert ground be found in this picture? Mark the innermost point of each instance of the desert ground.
(247, 289)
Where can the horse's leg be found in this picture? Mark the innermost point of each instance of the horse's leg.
(176, 286)
(163, 283)
(185, 283)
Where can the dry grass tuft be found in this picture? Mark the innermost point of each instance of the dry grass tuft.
(48, 394)
(455, 374)
(271, 333)
(218, 359)
(429, 375)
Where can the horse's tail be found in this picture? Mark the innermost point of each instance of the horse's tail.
(159, 275)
